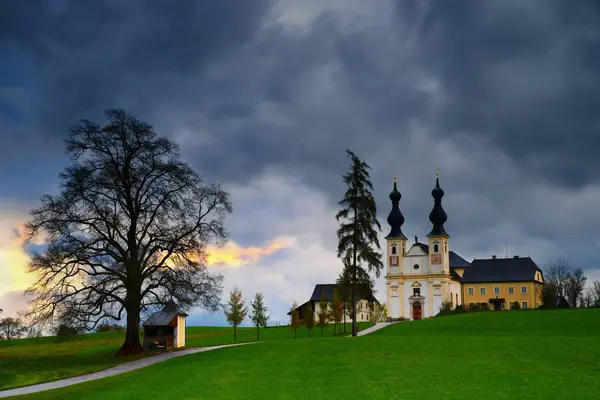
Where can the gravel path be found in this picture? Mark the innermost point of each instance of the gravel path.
(119, 369)
(374, 328)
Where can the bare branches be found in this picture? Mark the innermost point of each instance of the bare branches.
(128, 230)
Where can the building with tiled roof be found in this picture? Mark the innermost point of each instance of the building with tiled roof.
(420, 279)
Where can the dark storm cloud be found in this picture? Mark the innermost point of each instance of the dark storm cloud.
(516, 80)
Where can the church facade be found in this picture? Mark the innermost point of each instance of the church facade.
(421, 276)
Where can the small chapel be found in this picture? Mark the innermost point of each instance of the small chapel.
(421, 278)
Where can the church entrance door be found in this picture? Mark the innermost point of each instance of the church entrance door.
(417, 311)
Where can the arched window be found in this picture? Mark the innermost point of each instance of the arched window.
(446, 247)
(436, 248)
(394, 250)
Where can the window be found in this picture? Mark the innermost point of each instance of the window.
(523, 289)
(511, 290)
(394, 293)
(482, 290)
(446, 247)
(471, 291)
(436, 248)
(496, 290)
(524, 304)
(511, 304)
(393, 250)
(416, 266)
(451, 299)
(367, 317)
(456, 298)
(502, 306)
(416, 291)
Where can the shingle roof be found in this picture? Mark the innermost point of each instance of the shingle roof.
(329, 289)
(501, 270)
(457, 261)
(164, 316)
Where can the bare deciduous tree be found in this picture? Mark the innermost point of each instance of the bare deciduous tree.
(557, 272)
(127, 231)
(574, 286)
(11, 328)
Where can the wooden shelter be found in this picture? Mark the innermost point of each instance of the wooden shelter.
(165, 328)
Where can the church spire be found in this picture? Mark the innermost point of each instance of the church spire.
(437, 216)
(395, 219)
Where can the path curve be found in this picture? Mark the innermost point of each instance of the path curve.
(376, 327)
(119, 369)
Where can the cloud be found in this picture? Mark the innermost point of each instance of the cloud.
(232, 255)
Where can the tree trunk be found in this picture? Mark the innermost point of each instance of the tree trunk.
(257, 333)
(132, 345)
(345, 315)
(235, 332)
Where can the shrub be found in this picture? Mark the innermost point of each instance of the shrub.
(549, 296)
(515, 306)
(109, 328)
(66, 332)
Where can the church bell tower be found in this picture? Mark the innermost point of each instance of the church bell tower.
(439, 252)
(395, 240)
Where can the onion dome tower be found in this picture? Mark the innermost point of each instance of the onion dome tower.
(395, 219)
(437, 216)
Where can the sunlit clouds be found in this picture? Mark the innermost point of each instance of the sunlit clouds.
(232, 255)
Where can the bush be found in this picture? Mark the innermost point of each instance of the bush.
(549, 296)
(515, 306)
(66, 332)
(109, 328)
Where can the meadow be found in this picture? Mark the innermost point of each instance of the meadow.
(26, 362)
(493, 355)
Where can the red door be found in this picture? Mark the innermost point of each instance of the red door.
(416, 311)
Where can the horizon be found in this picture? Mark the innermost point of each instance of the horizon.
(264, 97)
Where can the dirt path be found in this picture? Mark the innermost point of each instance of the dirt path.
(119, 369)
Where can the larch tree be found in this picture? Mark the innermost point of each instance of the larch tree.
(235, 310)
(295, 322)
(258, 313)
(323, 311)
(127, 232)
(309, 318)
(358, 233)
(337, 308)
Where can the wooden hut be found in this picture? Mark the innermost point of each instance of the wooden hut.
(165, 328)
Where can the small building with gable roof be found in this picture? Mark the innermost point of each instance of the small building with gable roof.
(165, 328)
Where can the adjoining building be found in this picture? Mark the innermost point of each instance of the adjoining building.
(420, 279)
(363, 310)
(165, 328)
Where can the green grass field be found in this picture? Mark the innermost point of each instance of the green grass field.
(30, 361)
(503, 355)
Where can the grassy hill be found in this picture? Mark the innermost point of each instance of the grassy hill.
(29, 361)
(502, 355)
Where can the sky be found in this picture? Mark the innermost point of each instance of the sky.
(264, 97)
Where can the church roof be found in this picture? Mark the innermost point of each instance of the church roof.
(501, 270)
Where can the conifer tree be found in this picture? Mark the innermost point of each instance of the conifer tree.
(295, 322)
(235, 310)
(309, 318)
(336, 311)
(323, 311)
(359, 226)
(259, 314)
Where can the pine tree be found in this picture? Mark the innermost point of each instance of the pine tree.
(235, 311)
(259, 314)
(323, 311)
(357, 234)
(309, 318)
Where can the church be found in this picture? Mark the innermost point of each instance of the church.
(421, 278)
